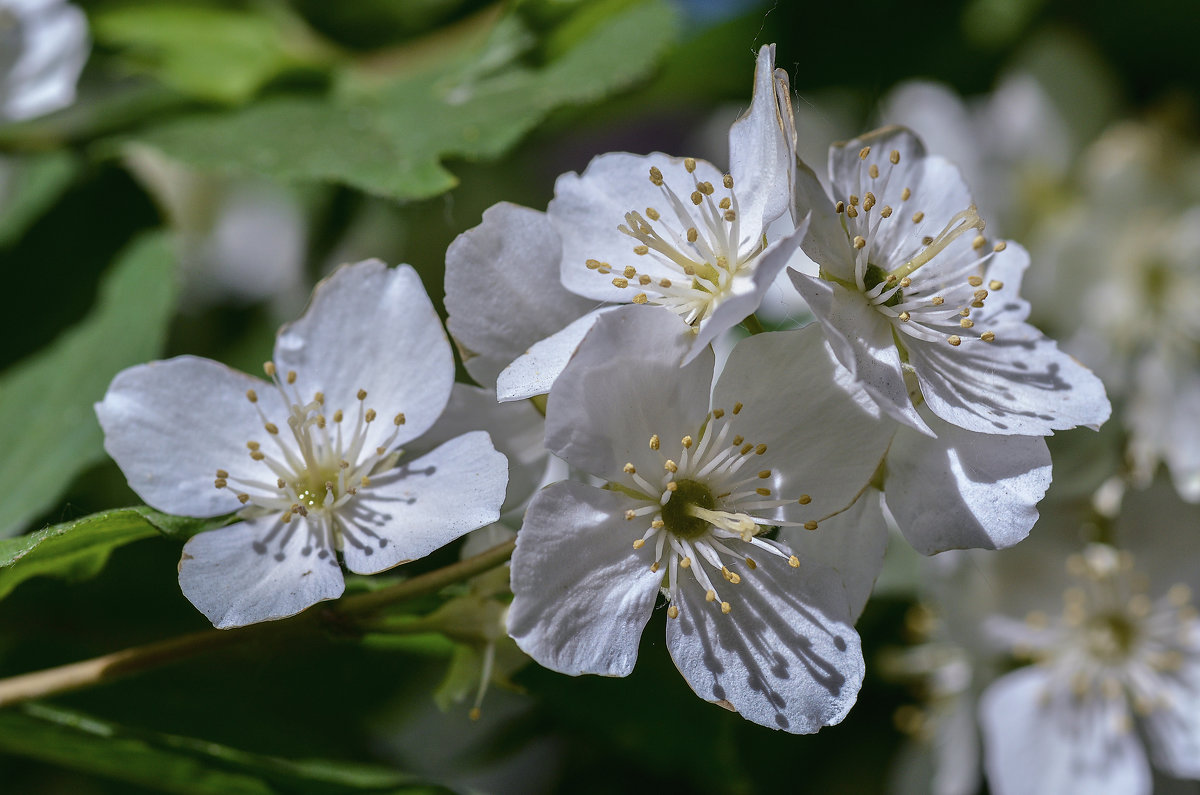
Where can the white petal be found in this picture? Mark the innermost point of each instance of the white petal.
(786, 656)
(171, 425)
(862, 339)
(518, 430)
(820, 441)
(852, 543)
(624, 385)
(374, 328)
(52, 48)
(964, 490)
(1039, 741)
(1019, 384)
(748, 291)
(1173, 730)
(581, 593)
(240, 575)
(762, 146)
(533, 372)
(425, 504)
(503, 291)
(826, 243)
(587, 209)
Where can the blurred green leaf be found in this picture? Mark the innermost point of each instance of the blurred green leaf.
(28, 187)
(50, 433)
(170, 763)
(390, 138)
(223, 55)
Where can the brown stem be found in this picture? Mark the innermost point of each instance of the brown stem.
(110, 667)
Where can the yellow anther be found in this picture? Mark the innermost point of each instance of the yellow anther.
(894, 157)
(706, 188)
(860, 241)
(762, 492)
(640, 298)
(685, 563)
(655, 175)
(794, 562)
(730, 215)
(868, 201)
(737, 408)
(965, 311)
(746, 448)
(269, 368)
(629, 468)
(994, 285)
(905, 282)
(654, 442)
(271, 428)
(718, 413)
(751, 564)
(291, 376)
(652, 214)
(251, 395)
(337, 415)
(760, 449)
(905, 316)
(918, 217)
(886, 212)
(862, 153)
(672, 612)
(927, 240)
(629, 516)
(654, 567)
(658, 524)
(852, 211)
(671, 466)
(362, 394)
(853, 199)
(966, 322)
(873, 170)
(690, 164)
(370, 415)
(243, 498)
(905, 194)
(697, 197)
(979, 242)
(641, 251)
(710, 596)
(1000, 246)
(804, 499)
(672, 486)
(988, 336)
(726, 607)
(664, 283)
(974, 281)
(840, 207)
(220, 483)
(692, 234)
(810, 525)
(937, 300)
(764, 474)
(620, 281)
(737, 440)
(981, 295)
(954, 340)
(398, 419)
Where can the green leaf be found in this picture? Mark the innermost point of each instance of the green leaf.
(50, 433)
(185, 765)
(79, 549)
(223, 55)
(28, 187)
(390, 138)
(73, 550)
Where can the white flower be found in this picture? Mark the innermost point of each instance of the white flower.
(909, 282)
(309, 460)
(1118, 675)
(680, 233)
(693, 486)
(43, 46)
(652, 229)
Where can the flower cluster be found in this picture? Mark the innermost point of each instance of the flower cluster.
(657, 463)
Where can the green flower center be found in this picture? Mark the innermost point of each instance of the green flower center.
(676, 514)
(876, 276)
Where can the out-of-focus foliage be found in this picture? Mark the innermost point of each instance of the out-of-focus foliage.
(49, 434)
